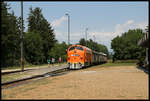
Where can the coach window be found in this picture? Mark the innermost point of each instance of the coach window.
(72, 48)
(79, 48)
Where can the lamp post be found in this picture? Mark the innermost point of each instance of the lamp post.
(22, 57)
(68, 28)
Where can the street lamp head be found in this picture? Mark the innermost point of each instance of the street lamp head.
(86, 28)
(67, 14)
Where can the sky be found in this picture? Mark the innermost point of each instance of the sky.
(104, 20)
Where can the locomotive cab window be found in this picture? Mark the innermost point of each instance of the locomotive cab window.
(79, 48)
(72, 48)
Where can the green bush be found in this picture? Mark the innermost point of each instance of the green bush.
(126, 61)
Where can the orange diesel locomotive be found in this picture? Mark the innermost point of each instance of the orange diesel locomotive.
(79, 56)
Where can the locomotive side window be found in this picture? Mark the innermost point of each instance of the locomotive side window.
(79, 48)
(72, 48)
(88, 51)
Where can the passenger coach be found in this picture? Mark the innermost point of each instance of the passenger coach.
(79, 56)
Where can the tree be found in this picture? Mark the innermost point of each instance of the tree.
(125, 46)
(38, 24)
(59, 50)
(82, 42)
(33, 48)
(94, 45)
(10, 34)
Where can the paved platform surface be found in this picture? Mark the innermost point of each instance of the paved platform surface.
(29, 68)
(31, 73)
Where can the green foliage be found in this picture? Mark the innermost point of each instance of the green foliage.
(39, 25)
(10, 38)
(94, 46)
(38, 41)
(125, 46)
(33, 48)
(59, 50)
(82, 42)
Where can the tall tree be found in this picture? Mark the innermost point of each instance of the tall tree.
(33, 48)
(10, 37)
(38, 24)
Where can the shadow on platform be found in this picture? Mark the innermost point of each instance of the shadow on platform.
(143, 69)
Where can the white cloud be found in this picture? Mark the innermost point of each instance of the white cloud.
(59, 21)
(120, 28)
(128, 22)
(141, 25)
(102, 37)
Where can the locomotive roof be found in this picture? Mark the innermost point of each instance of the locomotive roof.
(90, 49)
(82, 46)
(99, 53)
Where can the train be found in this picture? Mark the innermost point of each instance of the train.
(79, 56)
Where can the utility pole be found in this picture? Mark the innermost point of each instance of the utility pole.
(86, 35)
(68, 28)
(22, 57)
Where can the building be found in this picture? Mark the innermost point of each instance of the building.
(144, 42)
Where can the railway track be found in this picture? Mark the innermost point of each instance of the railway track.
(56, 72)
(15, 83)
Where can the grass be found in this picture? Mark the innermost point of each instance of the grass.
(118, 63)
(126, 61)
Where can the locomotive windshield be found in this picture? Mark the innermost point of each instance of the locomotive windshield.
(78, 48)
(72, 48)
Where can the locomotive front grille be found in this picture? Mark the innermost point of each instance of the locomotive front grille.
(75, 65)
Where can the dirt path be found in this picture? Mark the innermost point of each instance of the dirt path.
(121, 82)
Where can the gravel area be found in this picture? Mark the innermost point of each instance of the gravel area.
(120, 82)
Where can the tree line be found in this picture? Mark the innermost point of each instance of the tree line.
(39, 39)
(94, 46)
(126, 47)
